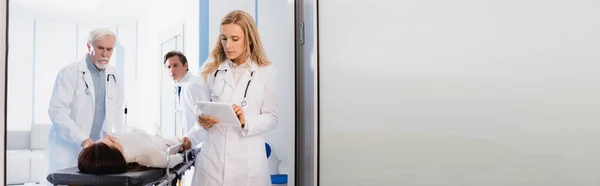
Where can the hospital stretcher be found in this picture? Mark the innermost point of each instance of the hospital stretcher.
(151, 177)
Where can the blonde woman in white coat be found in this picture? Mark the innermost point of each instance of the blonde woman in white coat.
(238, 73)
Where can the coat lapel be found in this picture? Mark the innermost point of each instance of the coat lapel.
(87, 77)
(243, 83)
(228, 75)
(246, 82)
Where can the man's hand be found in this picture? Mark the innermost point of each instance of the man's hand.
(187, 143)
(86, 143)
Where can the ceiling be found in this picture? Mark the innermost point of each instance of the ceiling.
(79, 10)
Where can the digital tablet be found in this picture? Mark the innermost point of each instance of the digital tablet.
(221, 111)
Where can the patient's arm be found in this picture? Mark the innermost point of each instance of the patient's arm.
(158, 159)
(151, 151)
(170, 141)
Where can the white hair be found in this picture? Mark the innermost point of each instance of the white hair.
(99, 33)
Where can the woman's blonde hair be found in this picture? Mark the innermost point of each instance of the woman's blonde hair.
(253, 44)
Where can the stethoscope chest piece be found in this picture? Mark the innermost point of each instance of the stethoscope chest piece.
(244, 103)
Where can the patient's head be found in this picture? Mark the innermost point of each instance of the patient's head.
(103, 157)
(112, 142)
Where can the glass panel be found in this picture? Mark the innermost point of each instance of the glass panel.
(463, 92)
(54, 49)
(60, 38)
(20, 79)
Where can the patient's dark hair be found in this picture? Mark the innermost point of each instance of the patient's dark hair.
(100, 158)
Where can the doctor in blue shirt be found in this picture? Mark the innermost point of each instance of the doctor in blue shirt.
(86, 102)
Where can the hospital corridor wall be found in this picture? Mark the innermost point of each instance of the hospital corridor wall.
(468, 93)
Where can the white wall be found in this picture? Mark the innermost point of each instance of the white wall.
(459, 92)
(48, 61)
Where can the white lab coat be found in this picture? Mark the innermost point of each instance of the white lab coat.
(230, 155)
(71, 111)
(191, 92)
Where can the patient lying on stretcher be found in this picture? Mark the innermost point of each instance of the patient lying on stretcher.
(127, 151)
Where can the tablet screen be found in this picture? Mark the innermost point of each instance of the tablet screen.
(221, 111)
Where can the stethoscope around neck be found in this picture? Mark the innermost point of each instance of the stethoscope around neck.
(87, 87)
(244, 102)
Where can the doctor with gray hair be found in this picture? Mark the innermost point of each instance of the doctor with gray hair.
(86, 103)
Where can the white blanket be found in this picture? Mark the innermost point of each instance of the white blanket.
(147, 149)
